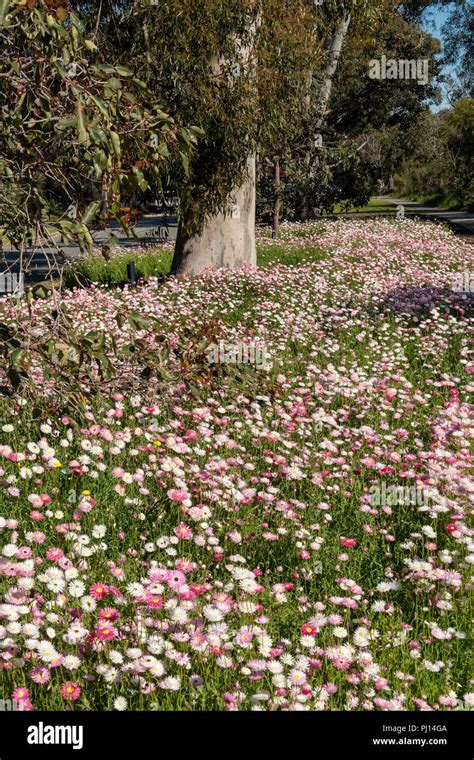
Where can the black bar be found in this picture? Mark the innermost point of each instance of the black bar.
(131, 273)
(381, 734)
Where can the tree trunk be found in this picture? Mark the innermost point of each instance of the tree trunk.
(277, 198)
(227, 240)
(324, 96)
(335, 50)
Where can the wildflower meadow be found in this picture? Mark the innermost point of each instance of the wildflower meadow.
(287, 534)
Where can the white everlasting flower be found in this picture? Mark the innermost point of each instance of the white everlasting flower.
(179, 615)
(385, 586)
(156, 644)
(75, 633)
(111, 675)
(296, 677)
(88, 603)
(71, 662)
(433, 667)
(172, 683)
(30, 630)
(148, 661)
(133, 652)
(76, 589)
(53, 573)
(361, 637)
(248, 585)
(247, 607)
(9, 550)
(135, 589)
(224, 662)
(157, 669)
(156, 588)
(46, 651)
(212, 613)
(56, 585)
(26, 583)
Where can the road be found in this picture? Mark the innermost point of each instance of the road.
(46, 263)
(463, 220)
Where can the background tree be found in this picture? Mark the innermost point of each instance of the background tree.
(365, 119)
(440, 167)
(458, 32)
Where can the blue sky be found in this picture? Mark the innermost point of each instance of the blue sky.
(432, 23)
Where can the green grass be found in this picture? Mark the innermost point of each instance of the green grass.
(95, 269)
(269, 255)
(157, 262)
(375, 205)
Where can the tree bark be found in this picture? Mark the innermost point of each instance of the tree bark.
(335, 50)
(324, 95)
(227, 240)
(277, 199)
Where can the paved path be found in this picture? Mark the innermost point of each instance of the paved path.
(45, 264)
(461, 221)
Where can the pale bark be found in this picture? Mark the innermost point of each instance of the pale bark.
(335, 50)
(277, 198)
(227, 240)
(324, 96)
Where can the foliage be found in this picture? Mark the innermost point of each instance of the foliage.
(242, 84)
(442, 157)
(364, 135)
(72, 124)
(458, 32)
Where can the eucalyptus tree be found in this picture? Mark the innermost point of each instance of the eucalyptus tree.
(233, 68)
(349, 111)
